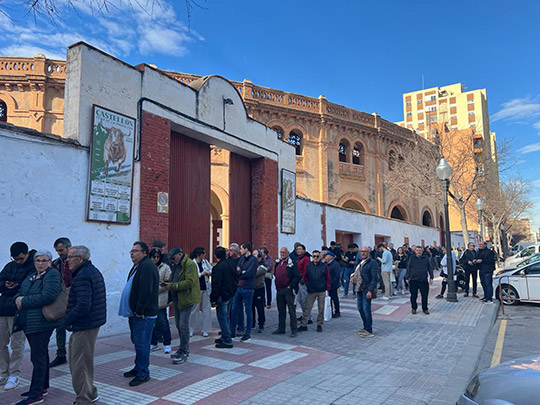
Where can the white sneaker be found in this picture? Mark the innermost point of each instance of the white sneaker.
(191, 333)
(12, 382)
(167, 349)
(153, 348)
(205, 334)
(385, 298)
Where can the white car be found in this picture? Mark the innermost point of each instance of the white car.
(525, 253)
(519, 284)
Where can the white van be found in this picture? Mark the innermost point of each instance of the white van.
(528, 251)
(520, 246)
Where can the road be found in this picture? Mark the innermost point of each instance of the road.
(522, 328)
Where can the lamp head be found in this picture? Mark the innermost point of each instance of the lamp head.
(479, 204)
(444, 171)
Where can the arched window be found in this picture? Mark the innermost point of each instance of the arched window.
(398, 213)
(353, 205)
(392, 160)
(358, 154)
(426, 219)
(3, 111)
(295, 139)
(343, 150)
(279, 132)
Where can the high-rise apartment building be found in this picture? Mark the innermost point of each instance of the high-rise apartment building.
(457, 116)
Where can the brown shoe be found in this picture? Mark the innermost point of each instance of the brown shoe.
(413, 311)
(426, 312)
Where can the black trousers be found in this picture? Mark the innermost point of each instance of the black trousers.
(258, 304)
(268, 284)
(285, 300)
(39, 356)
(334, 300)
(423, 286)
(471, 273)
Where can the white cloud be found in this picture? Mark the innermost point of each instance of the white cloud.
(29, 51)
(534, 147)
(536, 183)
(518, 108)
(124, 27)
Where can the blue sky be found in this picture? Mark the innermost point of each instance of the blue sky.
(364, 55)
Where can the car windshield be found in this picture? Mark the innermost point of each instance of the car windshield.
(530, 260)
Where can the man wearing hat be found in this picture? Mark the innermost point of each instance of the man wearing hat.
(185, 294)
(334, 269)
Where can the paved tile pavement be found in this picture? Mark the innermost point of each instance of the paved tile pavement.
(409, 361)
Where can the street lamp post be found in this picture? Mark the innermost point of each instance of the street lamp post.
(480, 208)
(444, 171)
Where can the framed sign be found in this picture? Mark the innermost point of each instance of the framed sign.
(288, 201)
(111, 167)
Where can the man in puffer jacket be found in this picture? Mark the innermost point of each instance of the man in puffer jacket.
(86, 313)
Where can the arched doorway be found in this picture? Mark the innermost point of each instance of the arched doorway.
(398, 213)
(426, 219)
(353, 205)
(216, 224)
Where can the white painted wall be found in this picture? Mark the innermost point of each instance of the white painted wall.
(309, 227)
(43, 192)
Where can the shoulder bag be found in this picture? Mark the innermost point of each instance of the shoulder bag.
(57, 309)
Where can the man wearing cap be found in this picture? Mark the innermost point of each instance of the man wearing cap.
(185, 293)
(334, 270)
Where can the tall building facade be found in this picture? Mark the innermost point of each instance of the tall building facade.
(460, 120)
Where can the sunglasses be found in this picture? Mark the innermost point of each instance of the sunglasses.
(316, 256)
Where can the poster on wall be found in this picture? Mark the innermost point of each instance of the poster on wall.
(288, 201)
(111, 167)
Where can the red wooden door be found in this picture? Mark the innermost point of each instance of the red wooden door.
(189, 193)
(239, 199)
(345, 238)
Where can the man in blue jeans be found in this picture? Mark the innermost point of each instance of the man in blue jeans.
(366, 276)
(139, 302)
(247, 269)
(224, 285)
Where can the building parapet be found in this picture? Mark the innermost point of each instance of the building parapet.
(36, 66)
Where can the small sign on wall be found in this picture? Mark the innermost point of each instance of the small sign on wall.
(163, 202)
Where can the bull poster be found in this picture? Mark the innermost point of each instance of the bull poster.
(111, 167)
(288, 201)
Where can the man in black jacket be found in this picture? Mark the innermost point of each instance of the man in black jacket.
(86, 313)
(287, 279)
(11, 279)
(141, 293)
(418, 271)
(317, 281)
(335, 273)
(471, 269)
(485, 260)
(224, 285)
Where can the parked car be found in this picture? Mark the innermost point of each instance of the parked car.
(525, 253)
(518, 284)
(513, 382)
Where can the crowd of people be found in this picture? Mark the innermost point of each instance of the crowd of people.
(39, 295)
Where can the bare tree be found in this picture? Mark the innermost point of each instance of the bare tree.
(503, 203)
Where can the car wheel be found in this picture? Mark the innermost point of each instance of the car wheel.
(509, 294)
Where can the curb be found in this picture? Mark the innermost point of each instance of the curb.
(468, 362)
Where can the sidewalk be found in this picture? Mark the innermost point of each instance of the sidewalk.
(413, 359)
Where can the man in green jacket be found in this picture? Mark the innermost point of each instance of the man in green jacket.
(186, 293)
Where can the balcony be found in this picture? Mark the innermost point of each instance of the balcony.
(351, 171)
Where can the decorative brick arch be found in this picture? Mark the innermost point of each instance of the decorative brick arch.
(356, 198)
(11, 103)
(401, 207)
(278, 123)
